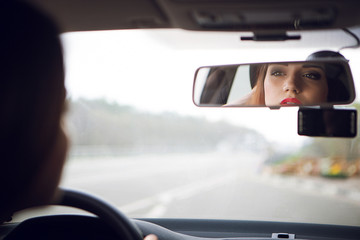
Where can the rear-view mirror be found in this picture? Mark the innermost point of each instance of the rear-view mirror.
(274, 84)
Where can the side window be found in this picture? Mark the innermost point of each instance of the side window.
(241, 84)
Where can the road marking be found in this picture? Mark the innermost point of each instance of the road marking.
(159, 202)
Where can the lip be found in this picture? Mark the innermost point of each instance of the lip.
(290, 102)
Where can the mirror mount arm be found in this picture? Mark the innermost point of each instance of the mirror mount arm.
(274, 107)
(270, 36)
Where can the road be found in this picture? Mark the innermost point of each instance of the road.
(211, 185)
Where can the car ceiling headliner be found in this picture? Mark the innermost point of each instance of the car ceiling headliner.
(85, 15)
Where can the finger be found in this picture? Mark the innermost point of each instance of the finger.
(151, 237)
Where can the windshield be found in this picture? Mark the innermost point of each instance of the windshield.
(139, 142)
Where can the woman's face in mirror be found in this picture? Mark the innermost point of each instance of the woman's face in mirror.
(295, 84)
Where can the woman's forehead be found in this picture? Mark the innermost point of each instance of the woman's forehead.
(299, 65)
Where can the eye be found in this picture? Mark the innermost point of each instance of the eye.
(314, 75)
(277, 73)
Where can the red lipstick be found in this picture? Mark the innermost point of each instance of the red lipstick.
(290, 102)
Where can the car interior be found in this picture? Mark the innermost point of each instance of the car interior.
(324, 33)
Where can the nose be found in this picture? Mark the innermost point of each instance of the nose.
(291, 85)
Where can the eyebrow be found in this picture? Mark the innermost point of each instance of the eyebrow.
(313, 66)
(284, 64)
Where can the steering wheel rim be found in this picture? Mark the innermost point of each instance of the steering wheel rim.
(122, 225)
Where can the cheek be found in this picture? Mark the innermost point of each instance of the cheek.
(56, 163)
(43, 189)
(60, 155)
(52, 169)
(317, 93)
(270, 89)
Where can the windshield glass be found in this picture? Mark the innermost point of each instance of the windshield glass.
(139, 142)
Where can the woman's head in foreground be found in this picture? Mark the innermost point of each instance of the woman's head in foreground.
(32, 94)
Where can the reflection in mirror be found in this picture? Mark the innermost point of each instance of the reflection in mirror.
(276, 84)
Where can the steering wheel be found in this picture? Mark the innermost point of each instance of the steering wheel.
(109, 217)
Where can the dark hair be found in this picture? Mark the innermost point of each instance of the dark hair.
(254, 71)
(337, 91)
(31, 97)
(257, 77)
